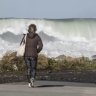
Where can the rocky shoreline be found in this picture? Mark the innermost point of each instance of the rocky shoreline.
(68, 76)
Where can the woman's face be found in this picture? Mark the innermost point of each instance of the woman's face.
(32, 29)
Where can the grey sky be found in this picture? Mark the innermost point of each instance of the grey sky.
(48, 8)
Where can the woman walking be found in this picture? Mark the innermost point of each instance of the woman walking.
(32, 47)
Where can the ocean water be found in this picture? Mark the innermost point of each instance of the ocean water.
(70, 37)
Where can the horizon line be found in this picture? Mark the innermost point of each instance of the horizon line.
(42, 18)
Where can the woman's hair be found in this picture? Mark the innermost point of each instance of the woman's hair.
(33, 26)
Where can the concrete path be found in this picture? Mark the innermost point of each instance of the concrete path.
(48, 88)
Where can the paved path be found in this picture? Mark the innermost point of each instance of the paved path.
(48, 88)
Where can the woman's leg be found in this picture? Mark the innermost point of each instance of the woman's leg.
(33, 66)
(28, 65)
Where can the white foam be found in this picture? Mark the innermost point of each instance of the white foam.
(75, 37)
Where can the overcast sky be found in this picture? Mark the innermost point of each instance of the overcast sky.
(48, 8)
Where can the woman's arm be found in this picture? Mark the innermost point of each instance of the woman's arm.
(40, 44)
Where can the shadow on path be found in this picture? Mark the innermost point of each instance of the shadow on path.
(40, 86)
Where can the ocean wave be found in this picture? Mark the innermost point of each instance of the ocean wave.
(70, 37)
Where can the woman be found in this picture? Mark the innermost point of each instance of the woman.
(33, 46)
